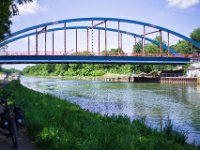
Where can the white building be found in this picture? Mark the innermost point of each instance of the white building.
(193, 72)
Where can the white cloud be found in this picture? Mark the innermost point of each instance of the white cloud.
(31, 8)
(182, 4)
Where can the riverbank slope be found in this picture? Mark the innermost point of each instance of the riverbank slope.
(58, 124)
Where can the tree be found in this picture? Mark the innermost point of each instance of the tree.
(195, 35)
(182, 47)
(84, 53)
(157, 39)
(8, 8)
(50, 68)
(138, 47)
(153, 48)
(112, 51)
(116, 51)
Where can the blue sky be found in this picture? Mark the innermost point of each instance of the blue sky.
(179, 15)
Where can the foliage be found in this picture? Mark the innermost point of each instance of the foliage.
(8, 8)
(149, 47)
(5, 14)
(112, 52)
(90, 69)
(10, 71)
(158, 39)
(57, 124)
(116, 51)
(195, 35)
(84, 53)
(182, 47)
(138, 47)
(152, 48)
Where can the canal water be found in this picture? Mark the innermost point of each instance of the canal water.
(153, 101)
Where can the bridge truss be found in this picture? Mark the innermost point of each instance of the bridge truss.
(166, 53)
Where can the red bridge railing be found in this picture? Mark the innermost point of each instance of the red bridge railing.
(61, 53)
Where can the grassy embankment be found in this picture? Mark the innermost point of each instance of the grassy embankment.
(58, 124)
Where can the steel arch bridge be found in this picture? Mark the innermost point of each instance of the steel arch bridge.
(166, 54)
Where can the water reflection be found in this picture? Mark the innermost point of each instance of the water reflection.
(153, 101)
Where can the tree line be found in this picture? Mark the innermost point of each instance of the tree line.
(93, 70)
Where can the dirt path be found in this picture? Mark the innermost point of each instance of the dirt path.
(24, 142)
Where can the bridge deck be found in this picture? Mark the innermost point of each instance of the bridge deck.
(93, 59)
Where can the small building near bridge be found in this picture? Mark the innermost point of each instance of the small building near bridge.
(194, 70)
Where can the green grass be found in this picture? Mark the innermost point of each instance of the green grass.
(56, 124)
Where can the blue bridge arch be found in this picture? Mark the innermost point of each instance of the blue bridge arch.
(30, 31)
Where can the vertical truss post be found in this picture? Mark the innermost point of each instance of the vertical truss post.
(87, 40)
(65, 46)
(92, 36)
(118, 38)
(53, 43)
(121, 44)
(28, 45)
(135, 41)
(99, 38)
(36, 42)
(45, 41)
(168, 43)
(106, 39)
(160, 42)
(76, 41)
(143, 40)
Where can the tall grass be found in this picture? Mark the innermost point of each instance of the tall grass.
(56, 124)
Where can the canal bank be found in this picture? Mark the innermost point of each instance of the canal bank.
(179, 80)
(136, 79)
(153, 101)
(59, 124)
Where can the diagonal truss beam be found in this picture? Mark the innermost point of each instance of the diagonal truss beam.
(150, 33)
